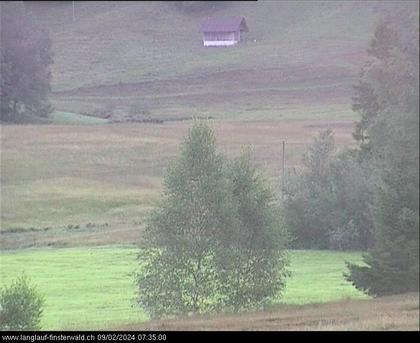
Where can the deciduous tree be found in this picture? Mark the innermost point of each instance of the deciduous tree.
(215, 240)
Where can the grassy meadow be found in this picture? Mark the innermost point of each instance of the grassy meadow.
(281, 70)
(75, 193)
(75, 196)
(91, 288)
(63, 118)
(75, 179)
(157, 41)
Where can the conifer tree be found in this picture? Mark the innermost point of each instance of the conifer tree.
(26, 57)
(392, 265)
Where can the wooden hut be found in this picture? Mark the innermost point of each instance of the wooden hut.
(223, 31)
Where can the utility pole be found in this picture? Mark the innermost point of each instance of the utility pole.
(282, 172)
(74, 18)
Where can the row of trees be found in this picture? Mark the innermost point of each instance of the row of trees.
(216, 240)
(368, 198)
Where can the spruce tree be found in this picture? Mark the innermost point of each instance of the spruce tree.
(392, 265)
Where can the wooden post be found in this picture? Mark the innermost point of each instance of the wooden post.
(283, 172)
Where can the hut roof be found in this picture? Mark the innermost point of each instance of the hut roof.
(224, 24)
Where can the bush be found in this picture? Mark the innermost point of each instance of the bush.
(141, 109)
(21, 306)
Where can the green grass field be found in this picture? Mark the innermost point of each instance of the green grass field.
(89, 288)
(68, 118)
(83, 288)
(317, 276)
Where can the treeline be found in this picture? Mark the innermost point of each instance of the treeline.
(368, 198)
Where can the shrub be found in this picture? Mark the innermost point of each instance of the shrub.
(328, 203)
(21, 306)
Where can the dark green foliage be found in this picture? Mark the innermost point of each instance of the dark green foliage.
(327, 204)
(308, 199)
(174, 281)
(366, 102)
(196, 207)
(25, 60)
(251, 264)
(392, 265)
(215, 229)
(20, 306)
(351, 221)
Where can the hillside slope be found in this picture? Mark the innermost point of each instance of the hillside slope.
(144, 41)
(118, 53)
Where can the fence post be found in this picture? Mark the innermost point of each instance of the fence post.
(283, 172)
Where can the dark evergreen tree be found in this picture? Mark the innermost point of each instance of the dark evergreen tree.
(392, 265)
(309, 202)
(25, 61)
